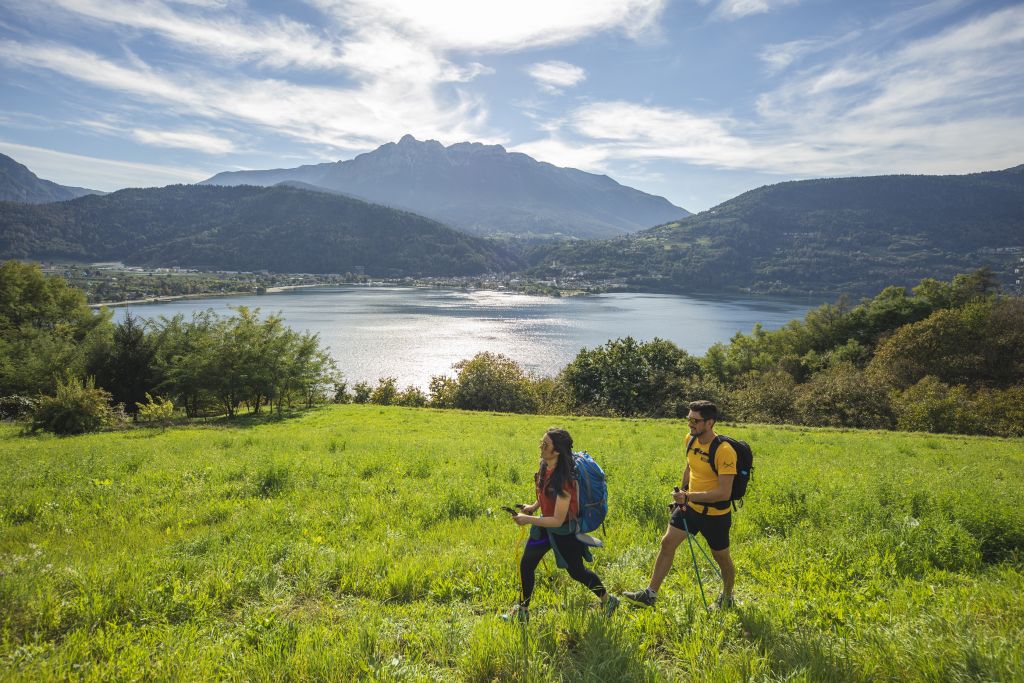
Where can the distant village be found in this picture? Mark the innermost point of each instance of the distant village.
(114, 283)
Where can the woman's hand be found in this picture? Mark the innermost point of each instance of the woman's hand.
(530, 509)
(522, 520)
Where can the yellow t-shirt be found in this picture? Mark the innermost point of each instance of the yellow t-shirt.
(702, 477)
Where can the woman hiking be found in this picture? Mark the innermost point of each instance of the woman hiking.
(558, 501)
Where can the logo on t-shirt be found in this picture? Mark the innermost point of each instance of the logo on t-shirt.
(705, 456)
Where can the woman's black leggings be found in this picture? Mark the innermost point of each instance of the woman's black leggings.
(572, 550)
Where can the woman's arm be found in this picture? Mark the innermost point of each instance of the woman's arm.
(552, 522)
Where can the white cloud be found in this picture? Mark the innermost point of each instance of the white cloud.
(592, 158)
(737, 9)
(395, 66)
(91, 68)
(553, 76)
(949, 103)
(496, 25)
(96, 173)
(277, 43)
(379, 110)
(778, 57)
(199, 142)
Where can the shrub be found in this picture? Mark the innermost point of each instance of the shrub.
(361, 392)
(551, 395)
(412, 397)
(699, 389)
(158, 410)
(341, 394)
(629, 378)
(77, 408)
(980, 343)
(932, 406)
(386, 391)
(491, 381)
(765, 397)
(16, 406)
(1002, 412)
(442, 391)
(843, 396)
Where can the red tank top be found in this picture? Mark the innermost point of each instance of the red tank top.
(547, 503)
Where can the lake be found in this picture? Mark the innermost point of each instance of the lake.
(413, 333)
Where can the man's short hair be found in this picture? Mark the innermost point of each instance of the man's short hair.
(707, 409)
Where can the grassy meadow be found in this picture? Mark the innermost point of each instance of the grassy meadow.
(367, 542)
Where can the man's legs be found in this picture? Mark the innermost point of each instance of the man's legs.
(724, 561)
(669, 542)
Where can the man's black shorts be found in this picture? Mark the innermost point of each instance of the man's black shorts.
(715, 528)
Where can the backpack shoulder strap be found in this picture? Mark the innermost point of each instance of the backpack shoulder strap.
(712, 449)
(689, 445)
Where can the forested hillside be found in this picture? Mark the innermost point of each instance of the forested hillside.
(831, 235)
(281, 229)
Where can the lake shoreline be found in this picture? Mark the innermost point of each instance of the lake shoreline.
(568, 293)
(414, 333)
(199, 296)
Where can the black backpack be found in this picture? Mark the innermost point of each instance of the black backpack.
(744, 468)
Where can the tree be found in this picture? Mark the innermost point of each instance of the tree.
(361, 392)
(412, 397)
(491, 381)
(980, 343)
(843, 396)
(442, 391)
(386, 391)
(46, 330)
(626, 377)
(241, 358)
(931, 406)
(185, 355)
(129, 370)
(765, 397)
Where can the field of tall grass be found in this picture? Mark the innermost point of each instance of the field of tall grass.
(368, 542)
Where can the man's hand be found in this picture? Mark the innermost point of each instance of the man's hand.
(679, 496)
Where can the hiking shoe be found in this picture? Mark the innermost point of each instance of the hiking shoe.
(610, 605)
(518, 614)
(644, 597)
(723, 601)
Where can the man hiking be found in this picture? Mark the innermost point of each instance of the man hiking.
(694, 511)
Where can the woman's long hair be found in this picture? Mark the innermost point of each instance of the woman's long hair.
(562, 442)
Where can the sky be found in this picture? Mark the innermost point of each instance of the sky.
(693, 100)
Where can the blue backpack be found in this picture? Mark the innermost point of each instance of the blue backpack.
(593, 491)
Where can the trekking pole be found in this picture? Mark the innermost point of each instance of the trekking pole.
(711, 563)
(693, 556)
(519, 565)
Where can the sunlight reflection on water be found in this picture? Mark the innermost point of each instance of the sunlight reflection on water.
(415, 333)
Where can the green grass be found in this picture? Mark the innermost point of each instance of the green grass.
(367, 542)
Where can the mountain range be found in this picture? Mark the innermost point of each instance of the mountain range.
(822, 236)
(826, 236)
(281, 229)
(479, 188)
(18, 184)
